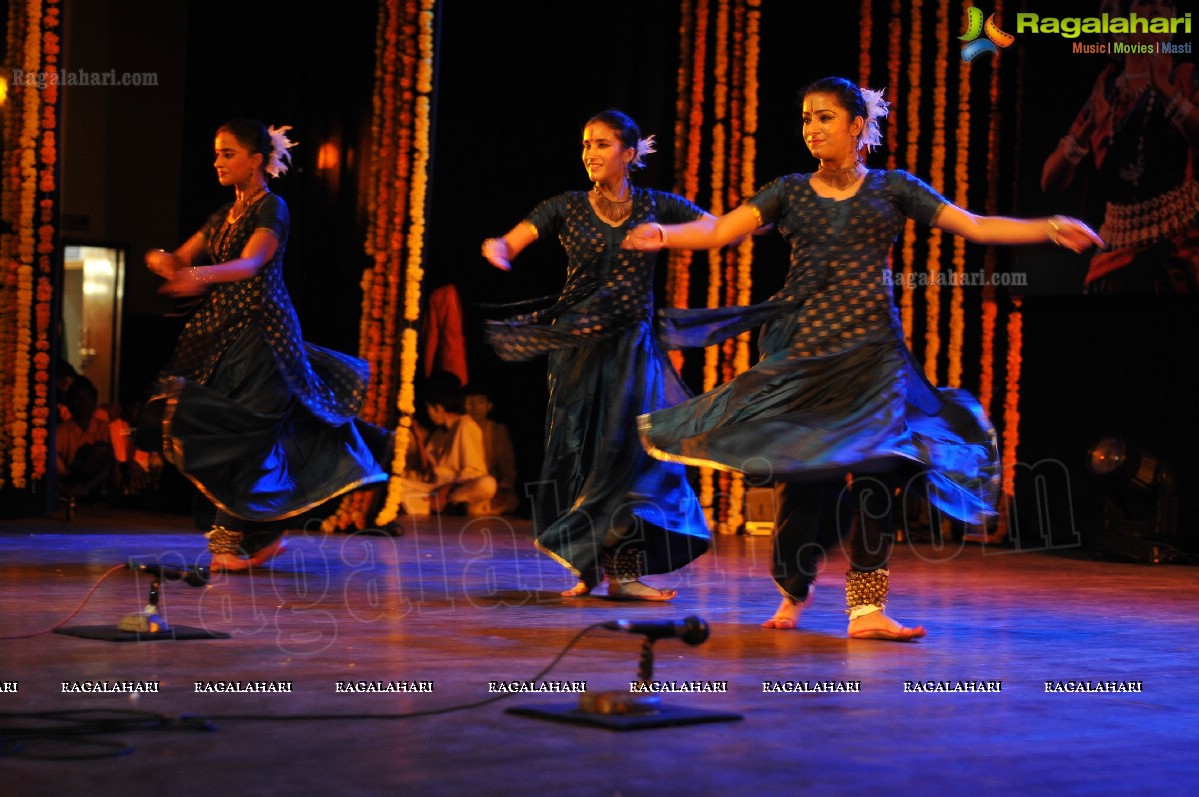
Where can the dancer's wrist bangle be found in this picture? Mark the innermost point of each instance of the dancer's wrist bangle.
(661, 234)
(1055, 226)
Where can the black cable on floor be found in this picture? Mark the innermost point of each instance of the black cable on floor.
(27, 734)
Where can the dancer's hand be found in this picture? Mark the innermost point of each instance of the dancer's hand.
(185, 282)
(645, 238)
(497, 253)
(162, 263)
(1072, 234)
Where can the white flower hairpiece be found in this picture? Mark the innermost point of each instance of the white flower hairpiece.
(280, 157)
(876, 108)
(644, 147)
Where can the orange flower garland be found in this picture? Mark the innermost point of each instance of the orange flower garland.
(866, 36)
(957, 312)
(25, 319)
(720, 96)
(48, 155)
(691, 85)
(732, 125)
(894, 47)
(911, 158)
(747, 32)
(397, 195)
(414, 276)
(1011, 406)
(990, 309)
(932, 345)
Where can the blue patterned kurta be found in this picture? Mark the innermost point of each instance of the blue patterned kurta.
(836, 389)
(605, 369)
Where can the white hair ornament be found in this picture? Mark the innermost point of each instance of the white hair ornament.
(280, 158)
(644, 147)
(876, 108)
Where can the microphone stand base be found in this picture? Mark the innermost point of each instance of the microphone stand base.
(147, 622)
(619, 703)
(665, 716)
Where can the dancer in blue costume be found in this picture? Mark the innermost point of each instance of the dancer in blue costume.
(262, 423)
(836, 391)
(604, 506)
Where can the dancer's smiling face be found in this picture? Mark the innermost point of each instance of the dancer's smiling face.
(828, 129)
(604, 157)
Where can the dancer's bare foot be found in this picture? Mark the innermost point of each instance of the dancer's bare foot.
(637, 591)
(577, 591)
(877, 625)
(231, 563)
(787, 614)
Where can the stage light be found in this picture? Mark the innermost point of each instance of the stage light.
(1140, 502)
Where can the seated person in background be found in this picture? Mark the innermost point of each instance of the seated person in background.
(64, 375)
(453, 465)
(84, 445)
(137, 471)
(497, 446)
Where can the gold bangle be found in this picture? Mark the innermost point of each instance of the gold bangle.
(757, 213)
(661, 234)
(1055, 224)
(496, 242)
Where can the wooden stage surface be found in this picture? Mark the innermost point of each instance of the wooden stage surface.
(454, 605)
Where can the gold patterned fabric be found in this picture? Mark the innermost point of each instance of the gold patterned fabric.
(262, 306)
(262, 423)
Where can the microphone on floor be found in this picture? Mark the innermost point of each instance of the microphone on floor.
(692, 630)
(194, 576)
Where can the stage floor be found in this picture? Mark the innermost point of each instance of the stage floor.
(454, 605)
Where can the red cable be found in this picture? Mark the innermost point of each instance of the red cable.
(78, 608)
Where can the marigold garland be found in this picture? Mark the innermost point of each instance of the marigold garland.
(957, 312)
(990, 309)
(692, 73)
(721, 107)
(894, 74)
(27, 197)
(718, 166)
(1011, 405)
(866, 36)
(397, 194)
(932, 346)
(911, 158)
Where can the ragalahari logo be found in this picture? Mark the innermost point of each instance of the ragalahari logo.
(995, 38)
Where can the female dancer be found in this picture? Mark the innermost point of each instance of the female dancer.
(836, 390)
(604, 506)
(1140, 127)
(260, 421)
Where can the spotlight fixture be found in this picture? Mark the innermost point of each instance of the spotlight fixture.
(1140, 512)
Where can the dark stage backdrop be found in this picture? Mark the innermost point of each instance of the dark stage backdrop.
(515, 83)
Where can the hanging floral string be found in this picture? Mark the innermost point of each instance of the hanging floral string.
(692, 75)
(932, 345)
(397, 194)
(961, 190)
(866, 36)
(747, 31)
(911, 158)
(894, 73)
(421, 131)
(719, 164)
(28, 199)
(990, 309)
(1011, 408)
